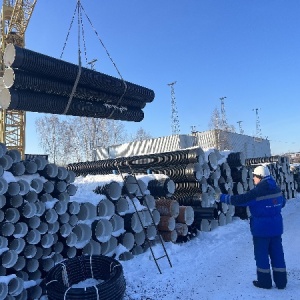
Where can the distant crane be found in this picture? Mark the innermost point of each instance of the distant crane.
(258, 130)
(224, 125)
(240, 127)
(174, 116)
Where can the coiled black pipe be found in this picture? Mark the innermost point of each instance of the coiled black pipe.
(61, 277)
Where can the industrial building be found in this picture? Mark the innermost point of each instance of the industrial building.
(221, 140)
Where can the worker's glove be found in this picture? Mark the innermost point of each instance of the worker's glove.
(225, 198)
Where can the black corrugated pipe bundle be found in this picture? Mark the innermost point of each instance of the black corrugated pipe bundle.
(60, 279)
(20, 79)
(33, 62)
(236, 159)
(139, 163)
(47, 103)
(164, 187)
(208, 213)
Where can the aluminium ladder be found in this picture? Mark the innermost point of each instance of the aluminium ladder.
(131, 196)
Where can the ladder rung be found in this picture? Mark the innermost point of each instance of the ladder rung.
(160, 257)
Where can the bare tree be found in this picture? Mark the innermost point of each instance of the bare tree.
(215, 120)
(74, 139)
(141, 135)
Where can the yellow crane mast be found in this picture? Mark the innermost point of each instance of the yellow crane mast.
(15, 16)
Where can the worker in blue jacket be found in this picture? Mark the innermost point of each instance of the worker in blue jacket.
(265, 201)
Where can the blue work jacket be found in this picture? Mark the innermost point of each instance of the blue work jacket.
(265, 201)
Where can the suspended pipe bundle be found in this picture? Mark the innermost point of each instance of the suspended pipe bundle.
(33, 62)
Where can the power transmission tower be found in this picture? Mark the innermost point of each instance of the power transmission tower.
(240, 127)
(224, 125)
(258, 130)
(174, 117)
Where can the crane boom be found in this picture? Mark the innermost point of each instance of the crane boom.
(15, 16)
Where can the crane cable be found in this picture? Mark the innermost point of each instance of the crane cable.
(79, 8)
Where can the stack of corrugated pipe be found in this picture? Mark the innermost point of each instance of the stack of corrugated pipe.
(43, 221)
(199, 179)
(40, 83)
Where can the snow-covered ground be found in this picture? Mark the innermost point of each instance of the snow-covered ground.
(214, 265)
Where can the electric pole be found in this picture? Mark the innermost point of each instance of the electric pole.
(240, 127)
(257, 122)
(174, 112)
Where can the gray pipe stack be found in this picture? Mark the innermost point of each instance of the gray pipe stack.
(40, 83)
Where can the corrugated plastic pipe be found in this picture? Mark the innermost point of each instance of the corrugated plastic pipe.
(105, 208)
(40, 208)
(3, 148)
(167, 207)
(15, 201)
(163, 187)
(20, 230)
(181, 229)
(20, 79)
(74, 207)
(43, 227)
(41, 162)
(48, 103)
(71, 239)
(12, 215)
(127, 240)
(51, 216)
(92, 247)
(47, 240)
(24, 186)
(28, 210)
(34, 62)
(33, 237)
(3, 242)
(3, 290)
(30, 167)
(17, 168)
(149, 201)
(15, 155)
(7, 229)
(151, 232)
(134, 222)
(186, 215)
(31, 196)
(111, 190)
(6, 162)
(108, 248)
(65, 230)
(13, 188)
(166, 223)
(15, 286)
(17, 245)
(62, 173)
(117, 225)
(9, 258)
(32, 265)
(34, 292)
(61, 207)
(71, 189)
(102, 230)
(48, 187)
(3, 186)
(130, 184)
(20, 264)
(169, 236)
(84, 234)
(139, 238)
(87, 211)
(50, 171)
(2, 200)
(122, 206)
(53, 227)
(34, 222)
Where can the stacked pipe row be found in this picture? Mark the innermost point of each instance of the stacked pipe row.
(199, 179)
(40, 83)
(44, 222)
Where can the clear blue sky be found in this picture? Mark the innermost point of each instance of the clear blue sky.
(248, 51)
